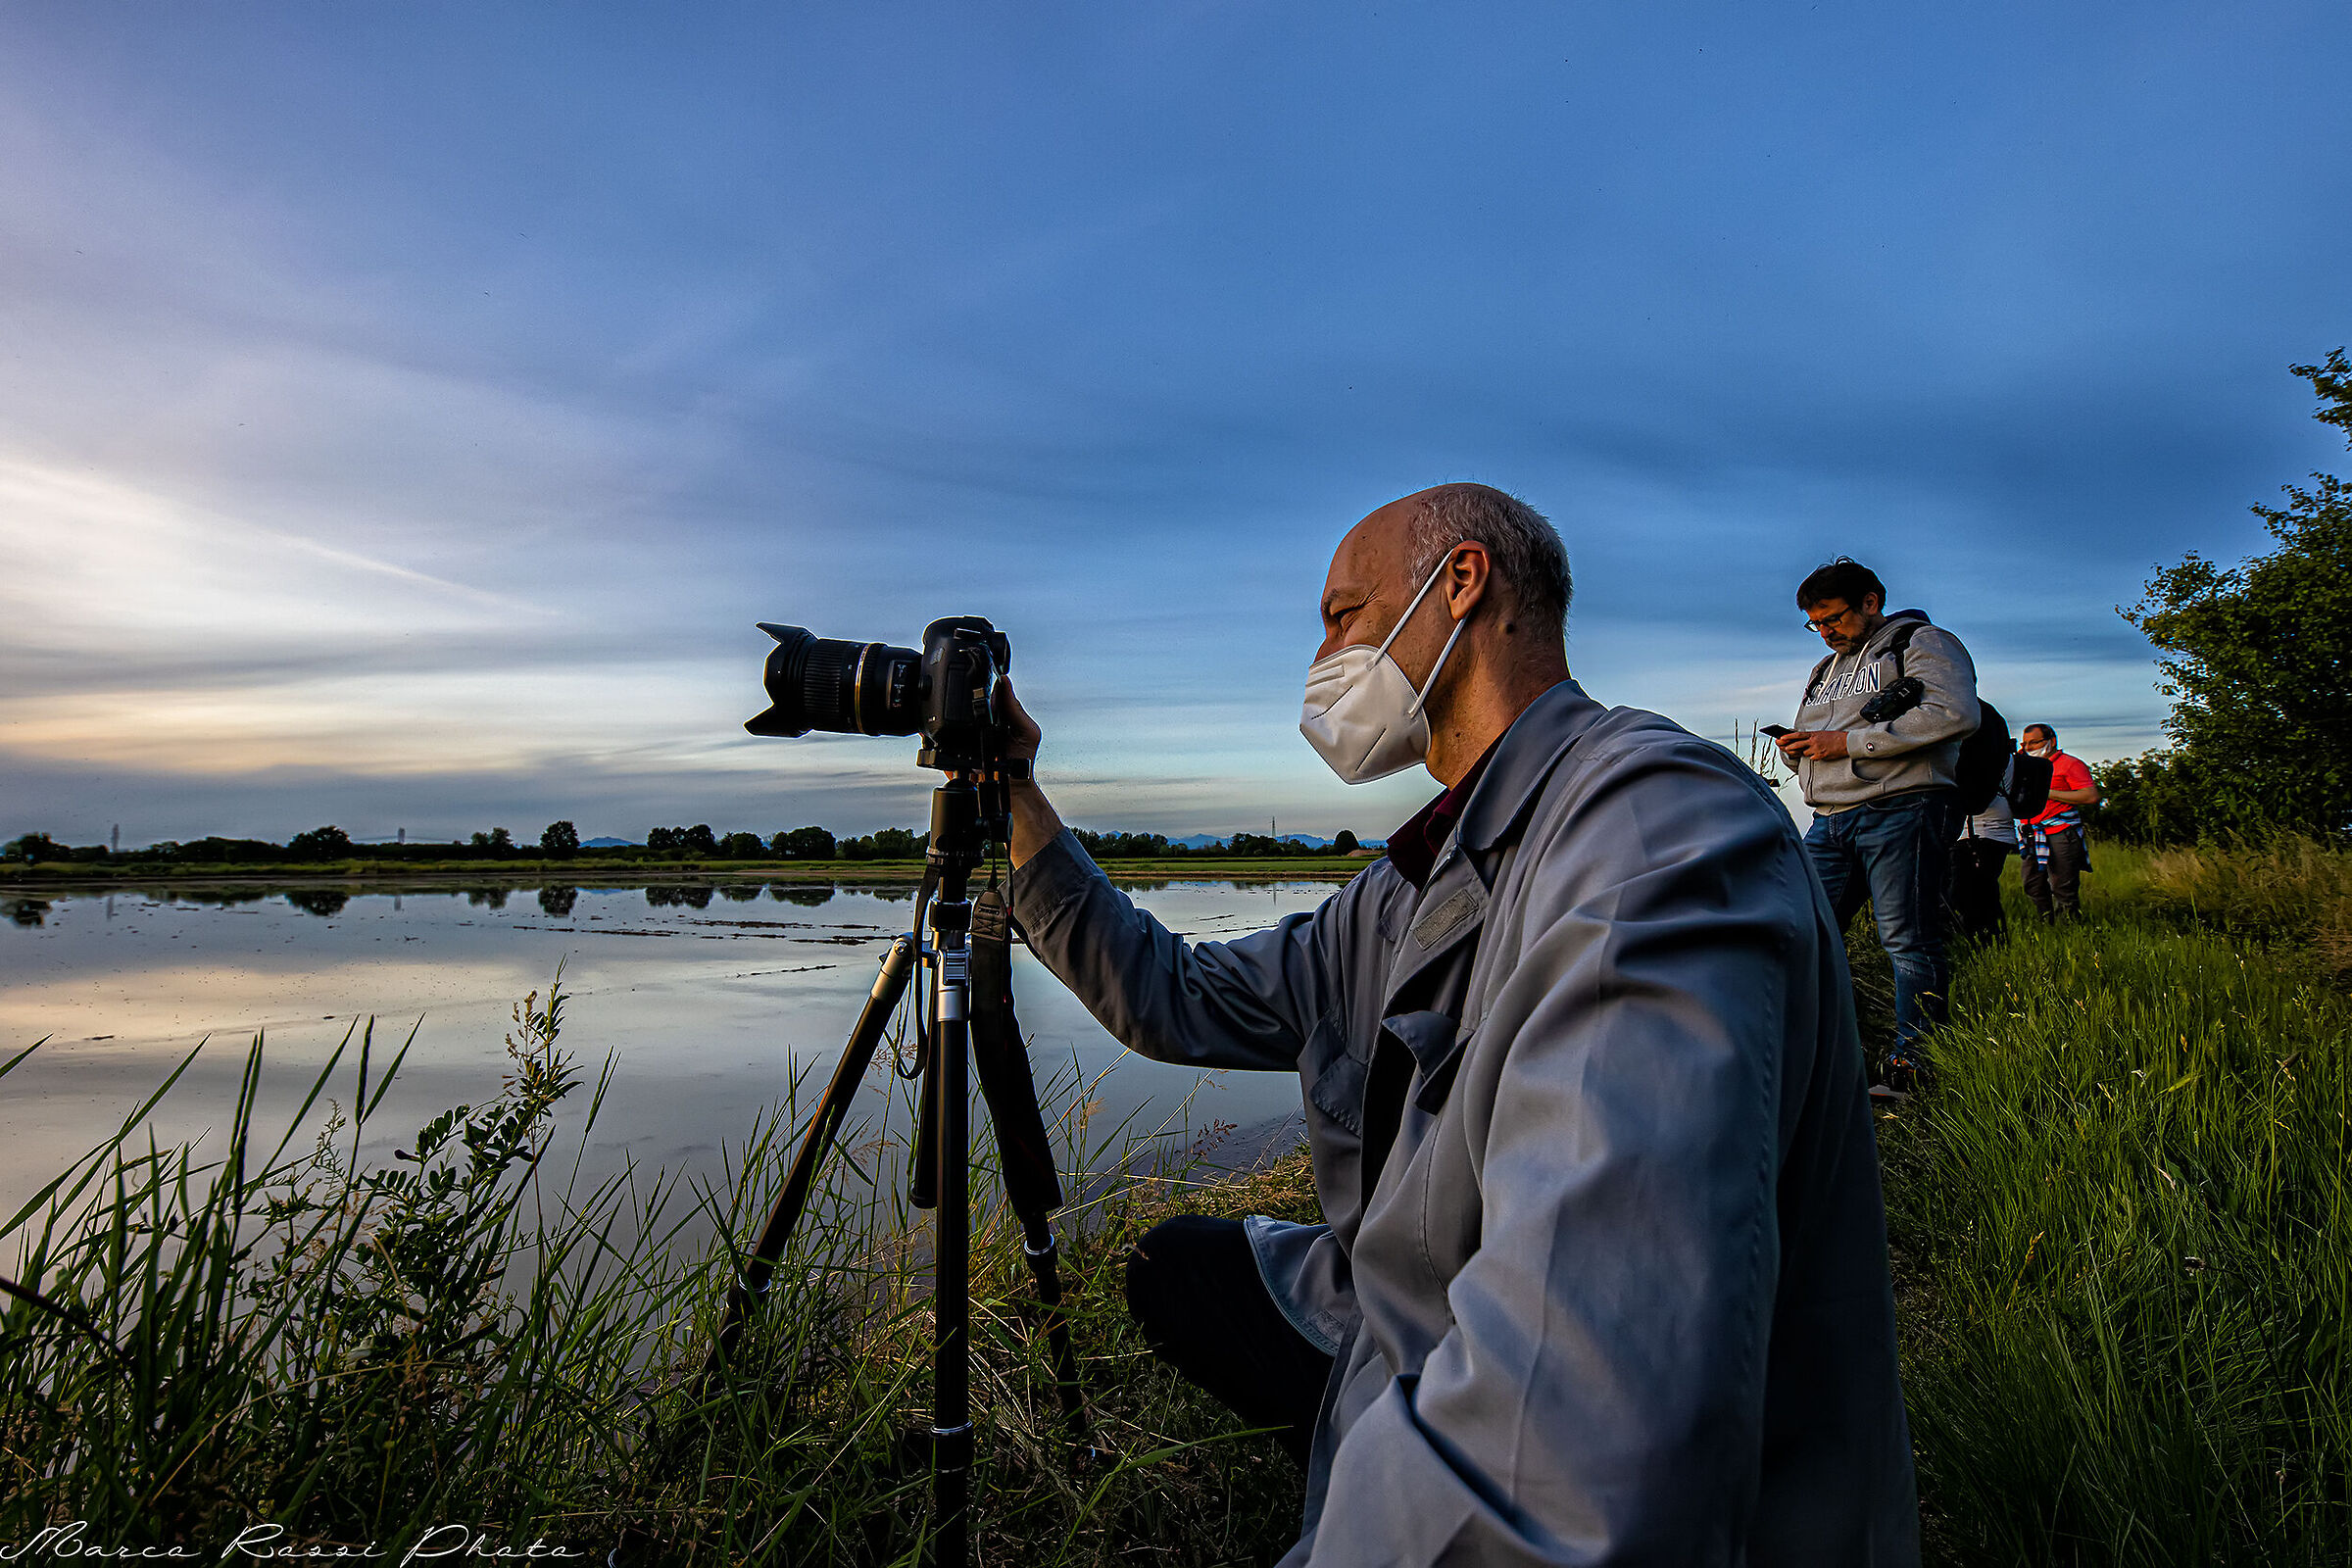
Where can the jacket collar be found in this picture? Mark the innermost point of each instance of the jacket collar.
(1523, 760)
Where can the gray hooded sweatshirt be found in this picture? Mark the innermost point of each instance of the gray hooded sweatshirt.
(1916, 751)
(1618, 1292)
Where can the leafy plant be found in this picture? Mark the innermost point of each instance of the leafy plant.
(294, 1342)
(2258, 657)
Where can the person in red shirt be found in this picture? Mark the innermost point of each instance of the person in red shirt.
(2051, 842)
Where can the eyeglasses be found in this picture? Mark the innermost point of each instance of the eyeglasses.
(1824, 622)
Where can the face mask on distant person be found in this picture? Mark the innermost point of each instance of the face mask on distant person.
(1363, 716)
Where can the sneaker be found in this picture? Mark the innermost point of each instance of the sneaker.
(1898, 1080)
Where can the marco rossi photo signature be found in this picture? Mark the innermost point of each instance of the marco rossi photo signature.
(73, 1543)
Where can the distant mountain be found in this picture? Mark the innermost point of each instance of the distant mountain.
(1210, 841)
(608, 844)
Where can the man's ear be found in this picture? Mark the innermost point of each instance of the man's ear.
(1872, 604)
(1481, 574)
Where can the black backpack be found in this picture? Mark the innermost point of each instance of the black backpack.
(2030, 786)
(1984, 755)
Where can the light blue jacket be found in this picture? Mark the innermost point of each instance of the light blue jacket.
(1619, 1293)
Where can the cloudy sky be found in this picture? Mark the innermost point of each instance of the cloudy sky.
(406, 411)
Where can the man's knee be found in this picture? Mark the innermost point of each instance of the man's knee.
(1174, 1265)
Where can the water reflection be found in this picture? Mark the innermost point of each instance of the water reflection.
(706, 1027)
(492, 897)
(739, 892)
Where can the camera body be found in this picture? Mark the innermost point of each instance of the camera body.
(947, 691)
(1899, 697)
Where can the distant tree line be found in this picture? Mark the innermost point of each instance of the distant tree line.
(2258, 659)
(1158, 846)
(561, 841)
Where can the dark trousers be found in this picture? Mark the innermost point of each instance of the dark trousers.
(2055, 887)
(1972, 885)
(1193, 1285)
(1893, 853)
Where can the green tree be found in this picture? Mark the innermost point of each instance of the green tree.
(560, 837)
(698, 840)
(2156, 799)
(319, 844)
(898, 844)
(885, 844)
(743, 847)
(804, 844)
(1346, 843)
(2258, 657)
(32, 847)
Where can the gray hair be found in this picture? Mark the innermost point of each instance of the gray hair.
(1528, 557)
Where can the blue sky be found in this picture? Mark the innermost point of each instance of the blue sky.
(405, 412)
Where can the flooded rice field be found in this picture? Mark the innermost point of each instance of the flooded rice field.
(706, 998)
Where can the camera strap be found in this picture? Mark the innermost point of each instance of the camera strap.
(905, 1066)
(1000, 1060)
(1901, 641)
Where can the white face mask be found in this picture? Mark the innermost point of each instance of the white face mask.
(1362, 715)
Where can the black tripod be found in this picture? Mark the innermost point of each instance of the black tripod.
(971, 1008)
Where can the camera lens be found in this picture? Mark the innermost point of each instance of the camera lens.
(854, 688)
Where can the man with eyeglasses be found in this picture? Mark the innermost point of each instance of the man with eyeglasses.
(1876, 748)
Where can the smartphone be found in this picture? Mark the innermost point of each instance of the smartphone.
(1776, 731)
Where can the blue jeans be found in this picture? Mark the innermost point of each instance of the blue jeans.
(1894, 855)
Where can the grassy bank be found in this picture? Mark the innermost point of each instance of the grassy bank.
(2121, 1224)
(2123, 1227)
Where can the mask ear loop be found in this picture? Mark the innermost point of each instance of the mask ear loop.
(1422, 696)
(1417, 604)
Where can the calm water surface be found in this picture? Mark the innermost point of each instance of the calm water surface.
(709, 999)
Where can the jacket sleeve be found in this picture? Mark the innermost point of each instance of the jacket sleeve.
(1249, 1003)
(1598, 1399)
(1948, 713)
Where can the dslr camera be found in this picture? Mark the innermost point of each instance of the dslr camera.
(947, 692)
(1899, 697)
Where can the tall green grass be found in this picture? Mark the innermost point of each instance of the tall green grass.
(2124, 1231)
(258, 1336)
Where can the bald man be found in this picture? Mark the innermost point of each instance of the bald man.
(1603, 1277)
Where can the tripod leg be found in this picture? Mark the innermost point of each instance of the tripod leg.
(1031, 1185)
(1039, 1247)
(896, 965)
(923, 1167)
(952, 1251)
